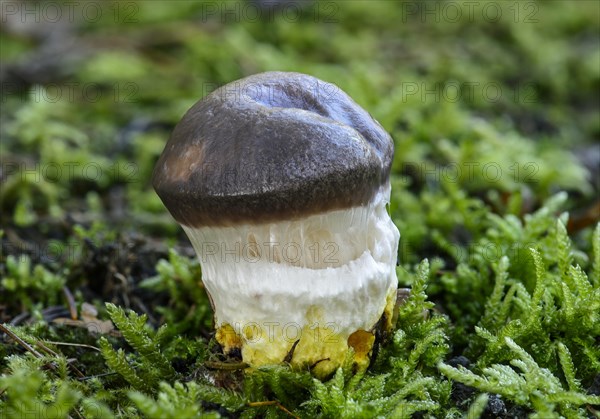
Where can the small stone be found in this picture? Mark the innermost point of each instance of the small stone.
(495, 407)
(461, 360)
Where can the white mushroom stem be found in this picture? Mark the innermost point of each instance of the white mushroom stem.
(334, 272)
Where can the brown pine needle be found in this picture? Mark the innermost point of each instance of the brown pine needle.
(20, 341)
(80, 345)
(228, 366)
(273, 403)
(71, 303)
(44, 348)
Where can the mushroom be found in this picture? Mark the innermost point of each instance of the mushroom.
(281, 182)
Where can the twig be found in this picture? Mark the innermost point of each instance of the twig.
(19, 318)
(78, 414)
(96, 376)
(80, 345)
(44, 348)
(70, 302)
(273, 403)
(20, 341)
(228, 366)
(69, 361)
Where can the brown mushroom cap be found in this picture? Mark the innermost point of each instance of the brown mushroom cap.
(273, 146)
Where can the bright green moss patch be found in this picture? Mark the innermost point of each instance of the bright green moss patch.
(526, 348)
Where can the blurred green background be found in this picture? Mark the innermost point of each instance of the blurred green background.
(493, 107)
